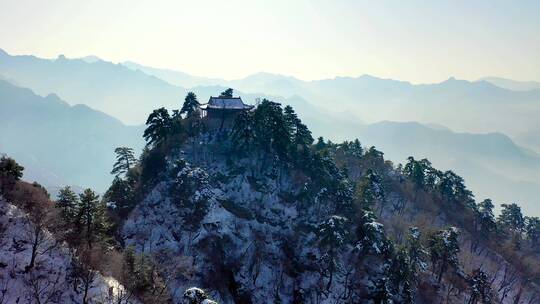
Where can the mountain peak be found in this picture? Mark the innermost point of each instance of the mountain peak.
(91, 59)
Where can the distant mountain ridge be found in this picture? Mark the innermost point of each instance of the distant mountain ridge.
(458, 104)
(102, 85)
(335, 110)
(61, 144)
(492, 165)
(174, 77)
(513, 84)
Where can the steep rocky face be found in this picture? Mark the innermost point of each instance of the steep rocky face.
(51, 279)
(250, 229)
(259, 214)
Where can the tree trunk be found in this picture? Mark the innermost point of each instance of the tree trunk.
(35, 245)
(88, 228)
(439, 275)
(85, 296)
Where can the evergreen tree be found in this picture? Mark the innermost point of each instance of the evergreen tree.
(532, 230)
(416, 252)
(125, 160)
(271, 129)
(300, 134)
(416, 171)
(242, 132)
(443, 250)
(374, 158)
(303, 135)
(92, 216)
(9, 168)
(67, 203)
(159, 127)
(381, 292)
(371, 190)
(401, 276)
(176, 125)
(487, 220)
(228, 93)
(320, 145)
(291, 119)
(452, 187)
(356, 148)
(332, 235)
(137, 270)
(10, 173)
(370, 234)
(120, 196)
(479, 287)
(413, 256)
(511, 218)
(191, 105)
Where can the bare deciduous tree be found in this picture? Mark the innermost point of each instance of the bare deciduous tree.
(43, 288)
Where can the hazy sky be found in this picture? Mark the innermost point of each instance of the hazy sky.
(419, 41)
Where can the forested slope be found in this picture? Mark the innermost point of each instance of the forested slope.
(258, 213)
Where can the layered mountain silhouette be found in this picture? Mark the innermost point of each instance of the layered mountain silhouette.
(59, 144)
(463, 106)
(340, 108)
(513, 84)
(487, 105)
(111, 88)
(492, 164)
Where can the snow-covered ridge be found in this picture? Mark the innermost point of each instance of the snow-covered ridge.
(254, 233)
(51, 279)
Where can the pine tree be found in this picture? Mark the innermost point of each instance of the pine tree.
(67, 203)
(356, 148)
(381, 293)
(120, 196)
(159, 127)
(443, 250)
(300, 134)
(191, 105)
(303, 135)
(228, 93)
(92, 217)
(371, 190)
(9, 168)
(401, 276)
(532, 230)
(332, 235)
(271, 129)
(486, 219)
(452, 187)
(479, 287)
(242, 133)
(320, 145)
(10, 173)
(137, 270)
(416, 171)
(125, 160)
(511, 218)
(370, 234)
(416, 251)
(176, 125)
